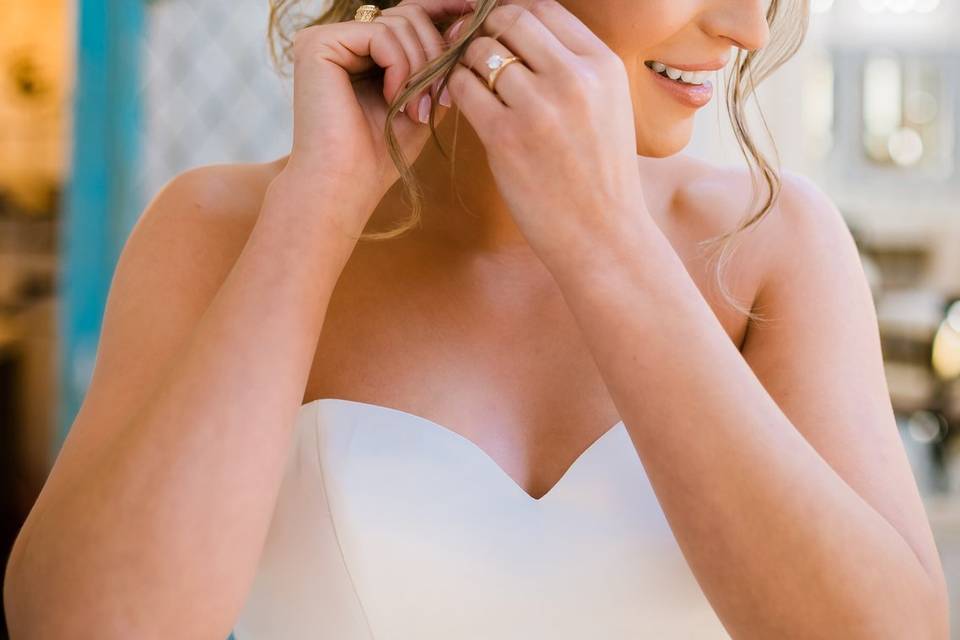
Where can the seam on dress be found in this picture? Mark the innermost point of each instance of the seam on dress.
(333, 522)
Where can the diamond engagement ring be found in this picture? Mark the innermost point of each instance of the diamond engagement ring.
(497, 63)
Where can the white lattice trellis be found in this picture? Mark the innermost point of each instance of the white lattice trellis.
(210, 94)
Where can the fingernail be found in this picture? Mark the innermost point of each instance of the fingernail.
(403, 107)
(455, 29)
(424, 108)
(445, 97)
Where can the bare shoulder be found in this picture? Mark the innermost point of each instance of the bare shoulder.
(202, 216)
(175, 259)
(807, 231)
(217, 193)
(802, 221)
(722, 195)
(192, 231)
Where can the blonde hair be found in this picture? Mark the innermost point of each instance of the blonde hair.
(787, 20)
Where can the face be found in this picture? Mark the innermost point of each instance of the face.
(694, 36)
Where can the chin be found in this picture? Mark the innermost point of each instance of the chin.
(663, 139)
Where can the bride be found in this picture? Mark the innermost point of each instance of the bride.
(534, 408)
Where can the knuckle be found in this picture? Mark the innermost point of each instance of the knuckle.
(505, 16)
(544, 126)
(301, 38)
(592, 79)
(419, 11)
(587, 79)
(509, 12)
(612, 64)
(578, 87)
(309, 45)
(410, 29)
(547, 10)
(481, 46)
(570, 77)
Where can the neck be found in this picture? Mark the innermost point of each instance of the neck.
(461, 203)
(462, 207)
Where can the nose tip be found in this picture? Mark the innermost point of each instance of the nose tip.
(742, 22)
(754, 43)
(759, 36)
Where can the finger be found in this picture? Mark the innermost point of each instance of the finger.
(514, 83)
(416, 56)
(481, 107)
(430, 36)
(388, 52)
(352, 46)
(565, 27)
(333, 52)
(526, 36)
(435, 38)
(440, 11)
(431, 39)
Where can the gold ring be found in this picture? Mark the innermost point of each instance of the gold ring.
(497, 63)
(366, 13)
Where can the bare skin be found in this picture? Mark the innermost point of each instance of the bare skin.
(238, 299)
(461, 323)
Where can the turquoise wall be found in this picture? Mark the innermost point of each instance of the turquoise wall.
(101, 200)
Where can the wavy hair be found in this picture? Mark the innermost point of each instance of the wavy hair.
(787, 19)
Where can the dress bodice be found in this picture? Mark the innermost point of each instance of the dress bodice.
(389, 526)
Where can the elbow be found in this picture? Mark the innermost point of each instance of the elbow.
(16, 603)
(28, 599)
(41, 603)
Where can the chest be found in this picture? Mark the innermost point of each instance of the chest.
(495, 357)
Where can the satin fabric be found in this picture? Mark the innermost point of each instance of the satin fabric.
(389, 526)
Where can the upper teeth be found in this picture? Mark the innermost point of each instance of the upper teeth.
(689, 77)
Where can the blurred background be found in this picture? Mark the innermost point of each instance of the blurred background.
(102, 102)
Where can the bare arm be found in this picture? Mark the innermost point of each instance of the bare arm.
(154, 515)
(780, 470)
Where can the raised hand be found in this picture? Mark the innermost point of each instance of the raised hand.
(559, 129)
(340, 107)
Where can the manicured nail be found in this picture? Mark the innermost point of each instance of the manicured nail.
(403, 107)
(445, 97)
(424, 109)
(455, 30)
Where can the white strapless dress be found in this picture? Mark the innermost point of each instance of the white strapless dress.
(389, 526)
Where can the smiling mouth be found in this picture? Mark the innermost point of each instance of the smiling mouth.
(695, 78)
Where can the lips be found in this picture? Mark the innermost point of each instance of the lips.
(688, 94)
(686, 76)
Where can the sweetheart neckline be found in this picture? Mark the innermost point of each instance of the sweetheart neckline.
(471, 445)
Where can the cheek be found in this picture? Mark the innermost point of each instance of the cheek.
(630, 27)
(637, 30)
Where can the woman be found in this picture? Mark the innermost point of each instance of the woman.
(438, 462)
